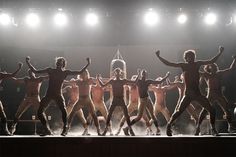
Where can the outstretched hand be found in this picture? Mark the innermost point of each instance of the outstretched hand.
(20, 64)
(27, 59)
(221, 48)
(168, 74)
(88, 60)
(158, 53)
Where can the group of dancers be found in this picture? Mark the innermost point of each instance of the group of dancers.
(88, 92)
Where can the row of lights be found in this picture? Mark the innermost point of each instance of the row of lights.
(151, 18)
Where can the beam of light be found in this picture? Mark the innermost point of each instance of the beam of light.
(5, 19)
(151, 18)
(210, 19)
(91, 19)
(182, 18)
(60, 19)
(32, 20)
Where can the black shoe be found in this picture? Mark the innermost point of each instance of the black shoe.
(168, 130)
(126, 131)
(65, 131)
(214, 132)
(197, 132)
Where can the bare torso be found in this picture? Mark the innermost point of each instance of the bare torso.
(97, 94)
(143, 88)
(191, 77)
(160, 95)
(85, 87)
(73, 93)
(134, 94)
(118, 88)
(32, 86)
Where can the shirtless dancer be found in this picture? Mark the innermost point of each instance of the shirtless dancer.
(4, 75)
(31, 98)
(160, 99)
(54, 92)
(72, 91)
(145, 100)
(192, 93)
(134, 102)
(213, 76)
(98, 100)
(118, 97)
(179, 83)
(85, 83)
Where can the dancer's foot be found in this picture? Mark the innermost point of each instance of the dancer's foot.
(85, 133)
(13, 128)
(131, 131)
(118, 132)
(197, 132)
(46, 132)
(65, 131)
(158, 132)
(214, 132)
(126, 131)
(231, 129)
(168, 130)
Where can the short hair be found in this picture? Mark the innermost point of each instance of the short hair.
(190, 53)
(61, 59)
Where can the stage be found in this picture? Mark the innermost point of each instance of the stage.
(118, 146)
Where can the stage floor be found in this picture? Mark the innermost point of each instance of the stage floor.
(118, 146)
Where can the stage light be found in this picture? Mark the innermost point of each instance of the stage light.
(210, 19)
(5, 19)
(32, 20)
(60, 19)
(91, 19)
(151, 18)
(182, 18)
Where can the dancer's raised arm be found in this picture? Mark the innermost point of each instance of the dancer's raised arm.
(7, 75)
(159, 81)
(232, 66)
(32, 68)
(166, 62)
(69, 72)
(214, 59)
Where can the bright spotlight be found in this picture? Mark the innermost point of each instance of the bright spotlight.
(182, 19)
(151, 18)
(91, 19)
(5, 19)
(32, 20)
(210, 19)
(60, 19)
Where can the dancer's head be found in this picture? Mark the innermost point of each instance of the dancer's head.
(211, 68)
(117, 72)
(189, 56)
(144, 74)
(60, 62)
(31, 74)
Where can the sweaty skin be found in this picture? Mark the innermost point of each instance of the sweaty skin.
(32, 87)
(145, 101)
(117, 85)
(213, 78)
(191, 76)
(54, 92)
(134, 102)
(85, 84)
